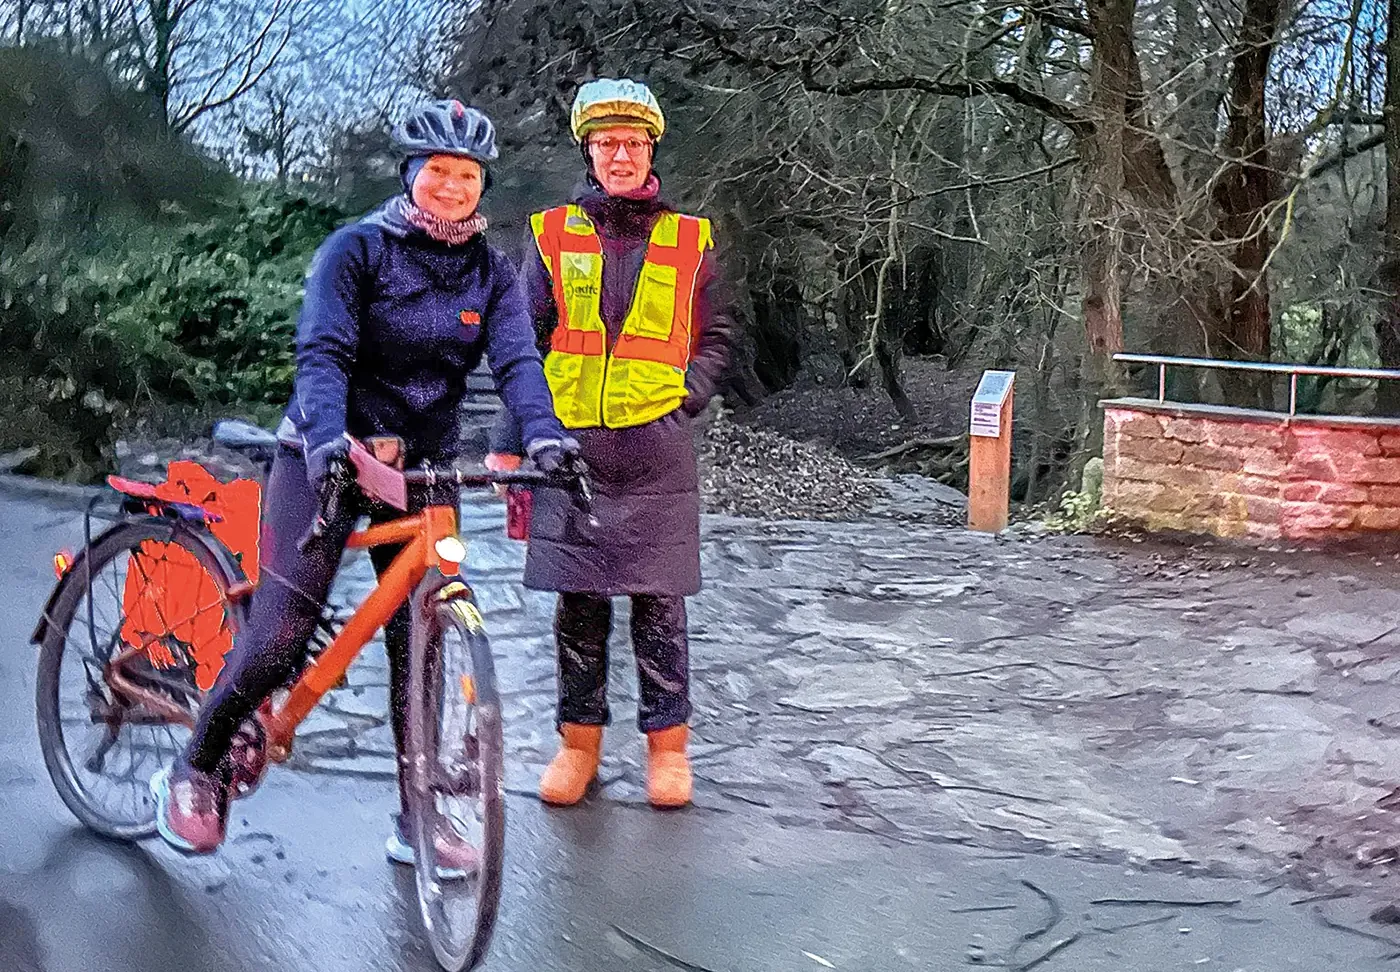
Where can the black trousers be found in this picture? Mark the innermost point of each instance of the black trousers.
(582, 623)
(285, 608)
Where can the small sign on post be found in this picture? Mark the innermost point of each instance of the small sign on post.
(989, 453)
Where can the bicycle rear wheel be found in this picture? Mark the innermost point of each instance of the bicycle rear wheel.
(454, 748)
(134, 635)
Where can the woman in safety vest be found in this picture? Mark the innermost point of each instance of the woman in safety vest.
(399, 307)
(624, 293)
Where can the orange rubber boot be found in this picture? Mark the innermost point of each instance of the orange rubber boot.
(668, 769)
(566, 778)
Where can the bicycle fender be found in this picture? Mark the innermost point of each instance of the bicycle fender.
(41, 630)
(76, 573)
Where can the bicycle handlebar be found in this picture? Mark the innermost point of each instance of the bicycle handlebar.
(341, 478)
(573, 478)
(429, 476)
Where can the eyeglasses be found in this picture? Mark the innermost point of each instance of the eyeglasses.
(632, 146)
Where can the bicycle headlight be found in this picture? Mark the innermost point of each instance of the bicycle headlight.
(451, 550)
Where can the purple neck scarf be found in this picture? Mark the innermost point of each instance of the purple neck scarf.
(453, 232)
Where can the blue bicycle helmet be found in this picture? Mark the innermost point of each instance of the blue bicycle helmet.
(447, 128)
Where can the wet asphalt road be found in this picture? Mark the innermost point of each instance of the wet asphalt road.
(608, 886)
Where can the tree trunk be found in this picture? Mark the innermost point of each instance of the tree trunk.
(778, 322)
(1101, 222)
(21, 21)
(160, 64)
(1111, 21)
(1242, 195)
(915, 304)
(857, 300)
(1198, 85)
(887, 354)
(1388, 323)
(14, 166)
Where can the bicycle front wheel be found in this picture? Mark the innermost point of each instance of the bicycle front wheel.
(454, 748)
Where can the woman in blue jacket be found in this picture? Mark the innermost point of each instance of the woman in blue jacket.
(399, 307)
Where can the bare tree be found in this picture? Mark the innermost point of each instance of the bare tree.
(190, 57)
(278, 133)
(1043, 183)
(202, 55)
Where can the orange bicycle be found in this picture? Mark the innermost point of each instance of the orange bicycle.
(136, 629)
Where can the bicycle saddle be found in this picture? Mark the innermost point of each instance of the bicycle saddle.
(245, 437)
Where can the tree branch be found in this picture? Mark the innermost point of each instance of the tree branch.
(1063, 21)
(1067, 115)
(983, 183)
(1346, 153)
(251, 77)
(725, 40)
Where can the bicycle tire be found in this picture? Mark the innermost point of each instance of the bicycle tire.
(444, 609)
(125, 536)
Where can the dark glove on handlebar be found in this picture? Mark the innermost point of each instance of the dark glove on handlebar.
(326, 458)
(553, 455)
(329, 470)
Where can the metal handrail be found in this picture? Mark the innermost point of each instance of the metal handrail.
(1292, 370)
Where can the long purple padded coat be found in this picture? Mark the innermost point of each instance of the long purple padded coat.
(647, 487)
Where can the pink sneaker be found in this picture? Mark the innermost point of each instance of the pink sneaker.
(456, 858)
(189, 809)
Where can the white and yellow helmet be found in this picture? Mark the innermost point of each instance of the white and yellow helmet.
(613, 101)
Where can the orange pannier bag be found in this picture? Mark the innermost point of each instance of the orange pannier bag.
(168, 593)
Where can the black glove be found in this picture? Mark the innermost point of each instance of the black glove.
(329, 470)
(552, 455)
(331, 459)
(693, 405)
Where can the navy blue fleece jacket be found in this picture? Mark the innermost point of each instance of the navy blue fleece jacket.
(391, 324)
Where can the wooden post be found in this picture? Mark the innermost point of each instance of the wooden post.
(989, 453)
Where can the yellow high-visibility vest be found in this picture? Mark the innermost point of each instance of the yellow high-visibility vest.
(642, 377)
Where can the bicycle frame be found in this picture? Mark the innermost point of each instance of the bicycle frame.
(421, 535)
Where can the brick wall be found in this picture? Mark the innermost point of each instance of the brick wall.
(1236, 473)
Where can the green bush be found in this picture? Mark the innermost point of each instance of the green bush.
(1079, 511)
(196, 315)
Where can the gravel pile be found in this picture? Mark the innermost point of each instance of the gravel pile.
(753, 472)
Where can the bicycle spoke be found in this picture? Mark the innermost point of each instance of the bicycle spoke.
(97, 760)
(92, 656)
(174, 745)
(129, 777)
(106, 745)
(112, 582)
(141, 752)
(108, 622)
